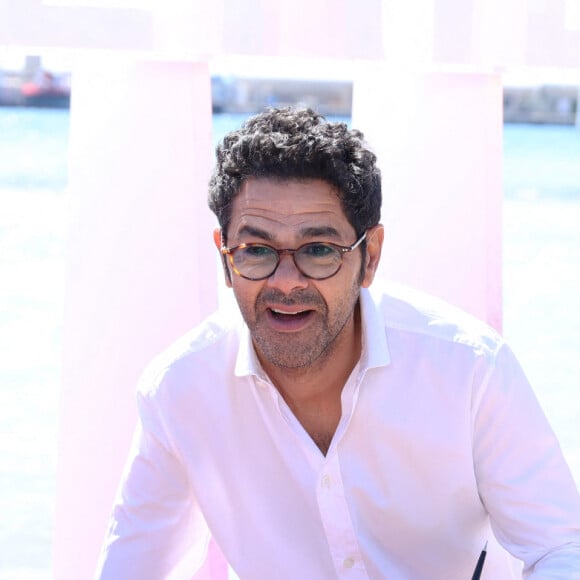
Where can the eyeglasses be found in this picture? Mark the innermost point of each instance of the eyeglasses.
(316, 260)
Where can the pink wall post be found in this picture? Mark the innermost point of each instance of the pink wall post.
(432, 109)
(141, 269)
(439, 140)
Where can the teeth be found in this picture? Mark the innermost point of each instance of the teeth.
(287, 313)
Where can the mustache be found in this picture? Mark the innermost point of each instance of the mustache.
(298, 298)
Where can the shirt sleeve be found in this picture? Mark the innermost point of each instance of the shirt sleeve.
(156, 530)
(523, 478)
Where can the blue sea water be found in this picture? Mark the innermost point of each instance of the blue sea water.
(541, 303)
(542, 161)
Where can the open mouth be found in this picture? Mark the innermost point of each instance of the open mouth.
(289, 320)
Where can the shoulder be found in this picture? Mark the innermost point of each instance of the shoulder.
(206, 349)
(412, 312)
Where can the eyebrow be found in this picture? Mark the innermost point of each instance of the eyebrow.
(315, 232)
(309, 232)
(255, 232)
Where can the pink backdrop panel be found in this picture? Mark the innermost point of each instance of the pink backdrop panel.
(325, 28)
(439, 139)
(475, 32)
(141, 269)
(38, 23)
(551, 41)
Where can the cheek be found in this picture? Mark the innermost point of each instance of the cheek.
(246, 293)
(338, 296)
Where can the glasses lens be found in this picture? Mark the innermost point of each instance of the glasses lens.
(255, 261)
(318, 260)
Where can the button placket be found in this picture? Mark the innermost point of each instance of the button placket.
(337, 522)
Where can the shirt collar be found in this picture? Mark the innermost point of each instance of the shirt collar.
(247, 362)
(375, 349)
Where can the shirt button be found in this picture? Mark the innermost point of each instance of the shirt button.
(348, 563)
(326, 481)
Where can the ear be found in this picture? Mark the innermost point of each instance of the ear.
(374, 241)
(217, 240)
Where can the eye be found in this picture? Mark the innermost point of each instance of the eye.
(317, 250)
(257, 251)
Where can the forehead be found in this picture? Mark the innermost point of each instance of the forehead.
(280, 207)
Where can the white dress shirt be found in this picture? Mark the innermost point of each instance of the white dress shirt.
(441, 448)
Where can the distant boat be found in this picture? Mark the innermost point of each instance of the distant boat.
(46, 92)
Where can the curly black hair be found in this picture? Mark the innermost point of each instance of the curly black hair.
(299, 144)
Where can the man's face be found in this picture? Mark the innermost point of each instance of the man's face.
(296, 321)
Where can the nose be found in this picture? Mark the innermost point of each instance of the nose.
(287, 276)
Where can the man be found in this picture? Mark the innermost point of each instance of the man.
(331, 432)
